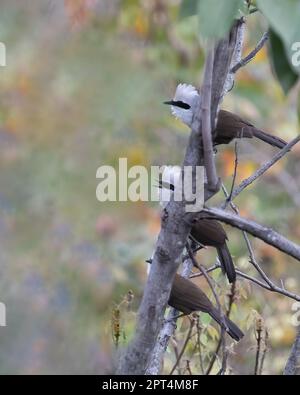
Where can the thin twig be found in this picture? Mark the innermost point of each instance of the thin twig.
(184, 346)
(248, 181)
(254, 280)
(267, 287)
(264, 352)
(175, 347)
(224, 326)
(211, 269)
(236, 163)
(188, 367)
(198, 344)
(289, 184)
(258, 336)
(252, 54)
(262, 232)
(271, 286)
(230, 303)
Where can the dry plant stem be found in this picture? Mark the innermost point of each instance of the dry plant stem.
(175, 347)
(230, 303)
(184, 346)
(248, 181)
(252, 54)
(258, 348)
(188, 367)
(198, 345)
(264, 352)
(209, 281)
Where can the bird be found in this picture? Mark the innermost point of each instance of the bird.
(210, 233)
(206, 232)
(229, 125)
(187, 298)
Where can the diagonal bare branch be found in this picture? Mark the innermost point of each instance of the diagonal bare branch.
(243, 62)
(248, 181)
(262, 232)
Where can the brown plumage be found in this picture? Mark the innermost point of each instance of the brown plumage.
(211, 233)
(231, 126)
(187, 297)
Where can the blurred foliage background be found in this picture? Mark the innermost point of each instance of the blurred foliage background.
(83, 86)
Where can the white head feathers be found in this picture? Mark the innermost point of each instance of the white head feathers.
(184, 103)
(185, 92)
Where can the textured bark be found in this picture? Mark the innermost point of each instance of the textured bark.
(292, 367)
(175, 227)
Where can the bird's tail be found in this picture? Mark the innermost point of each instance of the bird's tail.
(231, 328)
(268, 138)
(227, 263)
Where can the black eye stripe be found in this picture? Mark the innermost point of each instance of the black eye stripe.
(181, 104)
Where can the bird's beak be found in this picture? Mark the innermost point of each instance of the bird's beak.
(170, 102)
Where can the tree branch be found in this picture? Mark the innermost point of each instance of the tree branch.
(252, 54)
(248, 181)
(192, 323)
(292, 367)
(264, 233)
(208, 151)
(270, 285)
(167, 330)
(175, 227)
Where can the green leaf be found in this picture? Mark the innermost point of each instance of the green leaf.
(206, 319)
(213, 333)
(216, 17)
(203, 339)
(188, 8)
(280, 64)
(284, 18)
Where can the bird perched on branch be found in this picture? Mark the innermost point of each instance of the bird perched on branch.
(206, 232)
(187, 297)
(229, 126)
(210, 233)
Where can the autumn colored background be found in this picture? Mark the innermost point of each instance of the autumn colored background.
(83, 86)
